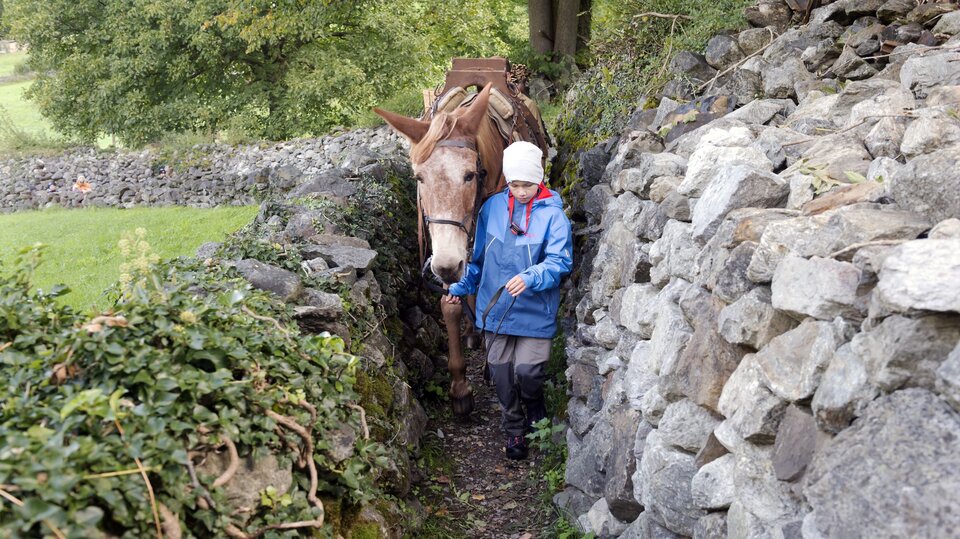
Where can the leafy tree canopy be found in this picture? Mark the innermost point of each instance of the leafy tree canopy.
(269, 68)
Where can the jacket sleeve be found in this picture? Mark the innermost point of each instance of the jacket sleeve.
(558, 259)
(470, 281)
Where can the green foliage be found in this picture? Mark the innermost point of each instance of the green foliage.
(10, 62)
(265, 69)
(82, 244)
(17, 139)
(630, 58)
(179, 364)
(553, 465)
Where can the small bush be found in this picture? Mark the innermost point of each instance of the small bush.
(17, 140)
(21, 69)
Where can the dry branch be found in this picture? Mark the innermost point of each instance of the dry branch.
(863, 244)
(19, 503)
(662, 16)
(234, 465)
(305, 435)
(171, 523)
(205, 501)
(363, 420)
(716, 77)
(143, 474)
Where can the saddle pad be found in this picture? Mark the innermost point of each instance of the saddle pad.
(451, 100)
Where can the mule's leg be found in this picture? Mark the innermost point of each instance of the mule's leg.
(473, 337)
(461, 394)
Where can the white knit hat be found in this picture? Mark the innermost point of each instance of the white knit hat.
(522, 162)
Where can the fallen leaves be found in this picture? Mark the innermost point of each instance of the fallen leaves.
(98, 323)
(62, 372)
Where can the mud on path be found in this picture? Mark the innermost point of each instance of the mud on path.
(470, 489)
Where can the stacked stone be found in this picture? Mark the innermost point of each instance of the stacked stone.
(205, 176)
(345, 263)
(768, 337)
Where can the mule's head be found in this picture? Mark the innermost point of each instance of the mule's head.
(445, 159)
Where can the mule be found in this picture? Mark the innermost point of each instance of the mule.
(457, 159)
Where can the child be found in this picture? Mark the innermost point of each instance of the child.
(524, 247)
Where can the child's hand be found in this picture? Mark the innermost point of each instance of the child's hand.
(515, 286)
(450, 300)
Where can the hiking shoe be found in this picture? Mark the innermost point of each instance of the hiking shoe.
(516, 448)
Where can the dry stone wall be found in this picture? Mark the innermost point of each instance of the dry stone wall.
(203, 176)
(768, 327)
(338, 276)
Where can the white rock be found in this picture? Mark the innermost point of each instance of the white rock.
(736, 186)
(713, 486)
(882, 170)
(922, 275)
(709, 159)
(640, 377)
(819, 287)
(600, 521)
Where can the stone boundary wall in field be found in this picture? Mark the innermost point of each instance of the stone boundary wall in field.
(203, 176)
(348, 276)
(768, 308)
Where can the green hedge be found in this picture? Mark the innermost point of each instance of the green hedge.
(189, 358)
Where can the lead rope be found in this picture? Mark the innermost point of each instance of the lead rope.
(493, 301)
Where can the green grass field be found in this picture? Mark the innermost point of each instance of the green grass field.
(9, 61)
(82, 244)
(22, 114)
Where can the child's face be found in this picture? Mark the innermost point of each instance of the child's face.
(523, 191)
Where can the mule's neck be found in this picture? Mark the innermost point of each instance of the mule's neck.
(490, 145)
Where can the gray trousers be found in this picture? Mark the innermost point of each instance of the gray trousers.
(518, 370)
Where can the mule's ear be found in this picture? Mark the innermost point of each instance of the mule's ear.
(411, 128)
(478, 109)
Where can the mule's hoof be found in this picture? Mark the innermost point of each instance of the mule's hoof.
(463, 406)
(473, 342)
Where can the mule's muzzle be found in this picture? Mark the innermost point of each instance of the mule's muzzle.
(449, 274)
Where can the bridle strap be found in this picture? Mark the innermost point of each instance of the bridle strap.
(425, 220)
(458, 143)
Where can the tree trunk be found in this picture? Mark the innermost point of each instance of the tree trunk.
(565, 40)
(540, 15)
(583, 24)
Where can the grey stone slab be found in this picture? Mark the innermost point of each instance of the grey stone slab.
(792, 364)
(921, 275)
(752, 320)
(819, 287)
(889, 463)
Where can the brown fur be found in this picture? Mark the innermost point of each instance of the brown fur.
(443, 194)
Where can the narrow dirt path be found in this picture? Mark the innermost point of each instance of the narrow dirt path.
(471, 489)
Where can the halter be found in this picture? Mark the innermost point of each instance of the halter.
(425, 220)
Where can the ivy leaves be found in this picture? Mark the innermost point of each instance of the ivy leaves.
(178, 365)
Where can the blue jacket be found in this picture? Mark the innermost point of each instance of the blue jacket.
(541, 257)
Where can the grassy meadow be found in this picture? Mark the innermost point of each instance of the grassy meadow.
(82, 249)
(22, 128)
(9, 62)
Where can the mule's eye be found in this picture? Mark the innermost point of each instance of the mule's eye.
(469, 176)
